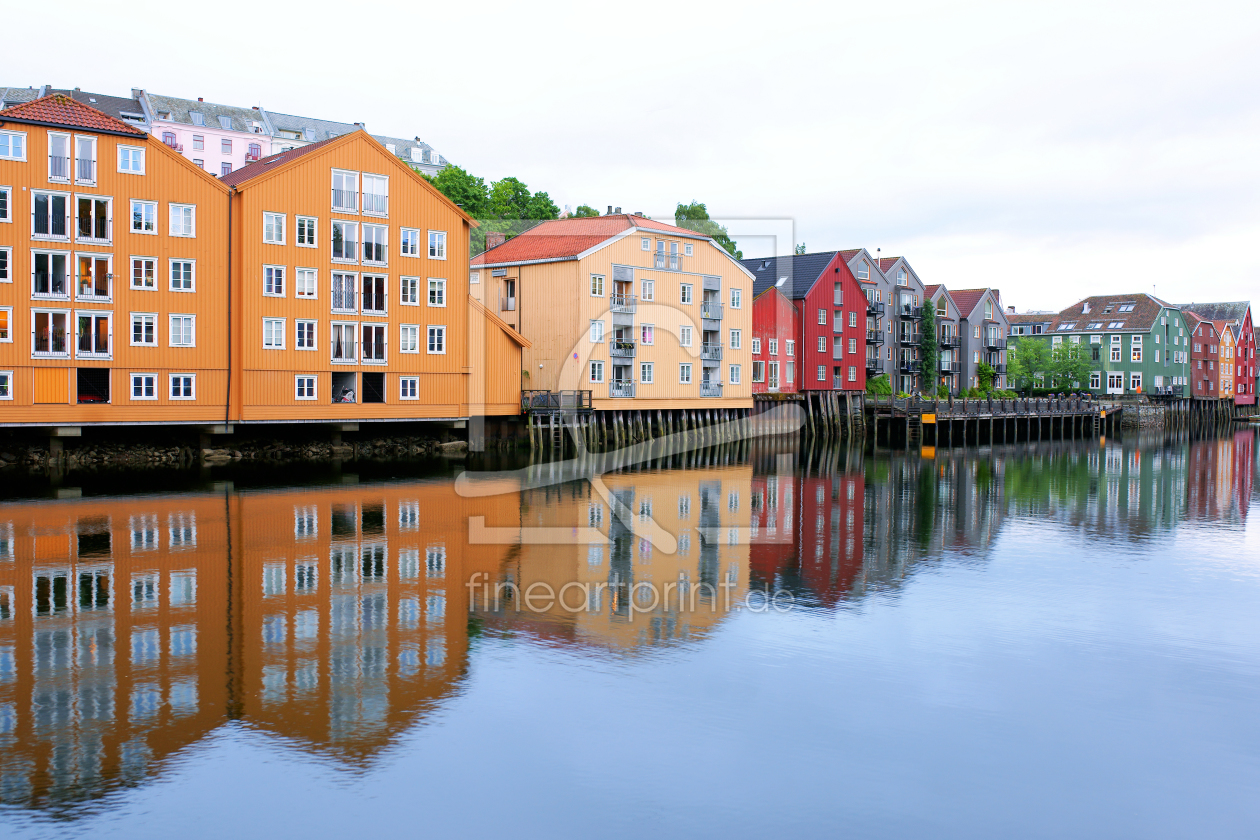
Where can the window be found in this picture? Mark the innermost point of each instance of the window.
(597, 285)
(759, 371)
(49, 278)
(6, 204)
(645, 244)
(437, 245)
(852, 319)
(306, 231)
(756, 347)
(822, 344)
(852, 373)
(822, 317)
(437, 339)
(437, 292)
(1115, 350)
(902, 278)
(1095, 380)
(1135, 382)
(183, 386)
(93, 334)
(410, 240)
(409, 339)
(143, 386)
(684, 336)
(304, 387)
(273, 228)
(143, 273)
(342, 340)
(51, 216)
(306, 283)
(225, 168)
(273, 280)
(597, 372)
(409, 291)
(344, 298)
(648, 289)
(863, 271)
(1135, 348)
(58, 157)
(6, 323)
(1125, 307)
(647, 333)
(734, 374)
(774, 347)
(183, 220)
(345, 241)
(737, 296)
(376, 194)
(374, 346)
(684, 293)
(822, 373)
(375, 294)
(684, 374)
(735, 339)
(409, 387)
(85, 160)
(182, 276)
(93, 218)
(94, 280)
(646, 372)
(50, 333)
(12, 145)
(376, 244)
(688, 250)
(199, 140)
(597, 332)
(144, 329)
(183, 330)
(305, 338)
(225, 147)
(144, 216)
(852, 345)
(273, 333)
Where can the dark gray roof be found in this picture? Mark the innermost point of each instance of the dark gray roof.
(1233, 311)
(16, 95)
(403, 147)
(119, 107)
(802, 272)
(313, 130)
(181, 111)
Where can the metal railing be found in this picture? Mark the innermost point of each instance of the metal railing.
(97, 228)
(85, 171)
(622, 348)
(873, 364)
(995, 343)
(999, 369)
(544, 401)
(907, 338)
(911, 366)
(50, 344)
(710, 389)
(950, 341)
(874, 336)
(251, 157)
(375, 203)
(507, 304)
(906, 310)
(343, 350)
(837, 353)
(88, 289)
(711, 309)
(179, 147)
(621, 388)
(625, 304)
(50, 284)
(950, 367)
(837, 325)
(59, 168)
(712, 352)
(666, 260)
(874, 307)
(345, 200)
(49, 224)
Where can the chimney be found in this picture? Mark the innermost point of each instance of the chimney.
(494, 239)
(617, 211)
(609, 213)
(1085, 308)
(199, 99)
(358, 125)
(76, 90)
(255, 107)
(1010, 309)
(638, 213)
(136, 93)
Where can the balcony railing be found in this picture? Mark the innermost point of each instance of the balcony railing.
(50, 225)
(874, 336)
(837, 353)
(711, 352)
(179, 147)
(711, 310)
(49, 285)
(251, 157)
(621, 388)
(97, 229)
(666, 261)
(710, 389)
(507, 304)
(951, 367)
(54, 344)
(875, 307)
(837, 325)
(909, 366)
(622, 348)
(906, 310)
(374, 203)
(874, 365)
(94, 286)
(995, 343)
(59, 168)
(950, 341)
(908, 338)
(85, 171)
(625, 304)
(347, 200)
(999, 369)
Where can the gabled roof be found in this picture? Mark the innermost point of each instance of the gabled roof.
(1192, 320)
(931, 293)
(1146, 309)
(1223, 327)
(967, 300)
(1031, 317)
(118, 107)
(60, 111)
(521, 340)
(1234, 311)
(16, 95)
(557, 240)
(794, 275)
(268, 164)
(181, 111)
(403, 146)
(312, 129)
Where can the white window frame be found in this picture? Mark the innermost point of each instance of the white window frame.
(170, 386)
(686, 294)
(313, 275)
(790, 347)
(684, 336)
(69, 156)
(645, 244)
(152, 318)
(363, 242)
(353, 278)
(437, 285)
(596, 333)
(595, 372)
(275, 325)
(343, 224)
(303, 379)
(756, 347)
(109, 203)
(737, 298)
(170, 275)
(70, 332)
(647, 289)
(173, 230)
(822, 373)
(311, 223)
(403, 381)
(758, 371)
(131, 390)
(131, 278)
(94, 256)
(438, 330)
(270, 273)
(131, 216)
(353, 191)
(170, 329)
(822, 344)
(409, 236)
(684, 373)
(409, 291)
(68, 218)
(7, 193)
(437, 244)
(403, 330)
(772, 347)
(11, 135)
(73, 333)
(598, 285)
(343, 326)
(736, 339)
(311, 334)
(274, 227)
(647, 373)
(689, 250)
(7, 311)
(734, 374)
(363, 183)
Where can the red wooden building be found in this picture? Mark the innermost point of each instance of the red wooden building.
(1238, 314)
(827, 350)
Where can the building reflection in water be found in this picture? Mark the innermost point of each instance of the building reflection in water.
(338, 616)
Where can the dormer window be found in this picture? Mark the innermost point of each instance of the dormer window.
(225, 123)
(864, 271)
(1107, 309)
(164, 115)
(198, 118)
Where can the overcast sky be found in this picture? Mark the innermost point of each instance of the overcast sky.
(1050, 151)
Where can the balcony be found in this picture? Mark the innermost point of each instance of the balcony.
(711, 309)
(909, 366)
(875, 308)
(507, 304)
(999, 369)
(908, 339)
(621, 388)
(710, 389)
(666, 261)
(837, 353)
(995, 343)
(905, 310)
(622, 348)
(950, 367)
(85, 171)
(624, 304)
(874, 365)
(58, 168)
(253, 157)
(95, 230)
(711, 352)
(171, 144)
(837, 325)
(373, 203)
(874, 336)
(345, 201)
(950, 341)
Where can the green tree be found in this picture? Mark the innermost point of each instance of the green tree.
(929, 350)
(879, 385)
(1028, 361)
(800, 249)
(985, 373)
(695, 216)
(468, 191)
(585, 211)
(1068, 366)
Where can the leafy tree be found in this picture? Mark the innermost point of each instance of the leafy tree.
(879, 385)
(800, 249)
(929, 351)
(585, 211)
(466, 190)
(1068, 365)
(695, 216)
(986, 374)
(1028, 360)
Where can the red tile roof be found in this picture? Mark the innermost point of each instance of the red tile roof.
(886, 263)
(63, 112)
(267, 164)
(561, 239)
(1192, 319)
(967, 299)
(929, 291)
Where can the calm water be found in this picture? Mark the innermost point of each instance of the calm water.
(1039, 641)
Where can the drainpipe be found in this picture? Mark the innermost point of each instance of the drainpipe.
(227, 403)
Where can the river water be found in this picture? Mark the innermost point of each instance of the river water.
(767, 639)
